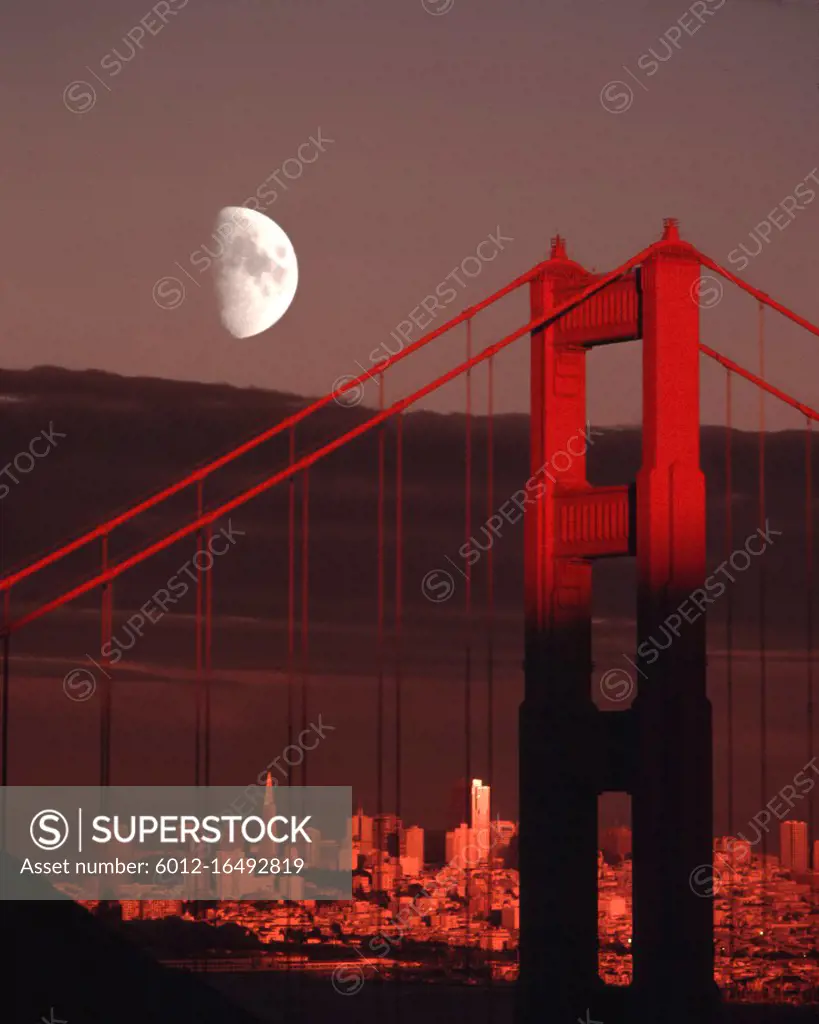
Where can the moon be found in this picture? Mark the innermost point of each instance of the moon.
(256, 272)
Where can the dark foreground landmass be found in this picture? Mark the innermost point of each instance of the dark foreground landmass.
(67, 966)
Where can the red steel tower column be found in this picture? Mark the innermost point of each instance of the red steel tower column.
(568, 523)
(672, 791)
(558, 850)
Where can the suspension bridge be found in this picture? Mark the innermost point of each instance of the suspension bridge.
(659, 750)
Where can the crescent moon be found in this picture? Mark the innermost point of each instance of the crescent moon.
(257, 273)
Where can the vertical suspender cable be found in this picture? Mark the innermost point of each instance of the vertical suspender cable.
(399, 668)
(4, 765)
(106, 619)
(763, 665)
(305, 609)
(468, 628)
(198, 682)
(4, 711)
(198, 641)
(208, 664)
(206, 606)
(291, 603)
(4, 701)
(729, 647)
(468, 575)
(105, 696)
(291, 644)
(490, 653)
(399, 586)
(305, 664)
(378, 820)
(379, 714)
(809, 581)
(468, 637)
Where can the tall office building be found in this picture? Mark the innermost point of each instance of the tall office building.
(350, 851)
(793, 845)
(480, 819)
(362, 831)
(465, 848)
(469, 844)
(456, 843)
(414, 842)
(479, 802)
(265, 847)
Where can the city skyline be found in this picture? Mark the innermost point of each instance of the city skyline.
(488, 918)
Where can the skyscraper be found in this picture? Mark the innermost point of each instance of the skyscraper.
(414, 841)
(265, 847)
(793, 845)
(462, 850)
(470, 843)
(479, 804)
(269, 804)
(362, 831)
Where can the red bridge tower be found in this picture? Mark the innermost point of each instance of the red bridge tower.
(659, 750)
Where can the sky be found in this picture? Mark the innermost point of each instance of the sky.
(447, 122)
